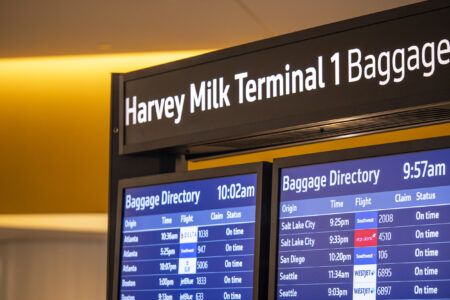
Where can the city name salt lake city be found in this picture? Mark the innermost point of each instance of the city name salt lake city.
(386, 67)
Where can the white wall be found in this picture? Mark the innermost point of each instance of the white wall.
(62, 268)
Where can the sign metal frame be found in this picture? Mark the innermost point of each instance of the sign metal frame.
(209, 133)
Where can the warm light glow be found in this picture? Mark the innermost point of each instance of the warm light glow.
(88, 223)
(54, 129)
(49, 75)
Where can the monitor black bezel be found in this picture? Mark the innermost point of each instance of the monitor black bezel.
(263, 171)
(331, 157)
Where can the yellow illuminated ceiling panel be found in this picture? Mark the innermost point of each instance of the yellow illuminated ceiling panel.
(55, 129)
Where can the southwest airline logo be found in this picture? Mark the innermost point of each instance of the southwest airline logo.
(365, 256)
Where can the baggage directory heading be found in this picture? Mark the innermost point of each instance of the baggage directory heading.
(190, 240)
(374, 228)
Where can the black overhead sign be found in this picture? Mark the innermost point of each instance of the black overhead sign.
(384, 62)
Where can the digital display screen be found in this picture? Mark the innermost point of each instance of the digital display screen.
(373, 228)
(189, 240)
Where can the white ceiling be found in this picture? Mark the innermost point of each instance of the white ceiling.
(60, 27)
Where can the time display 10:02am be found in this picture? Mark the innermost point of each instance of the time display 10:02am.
(235, 191)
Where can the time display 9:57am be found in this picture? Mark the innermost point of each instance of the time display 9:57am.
(423, 169)
(235, 191)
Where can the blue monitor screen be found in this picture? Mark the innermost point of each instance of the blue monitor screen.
(374, 228)
(189, 240)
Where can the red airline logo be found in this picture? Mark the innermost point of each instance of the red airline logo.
(366, 237)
